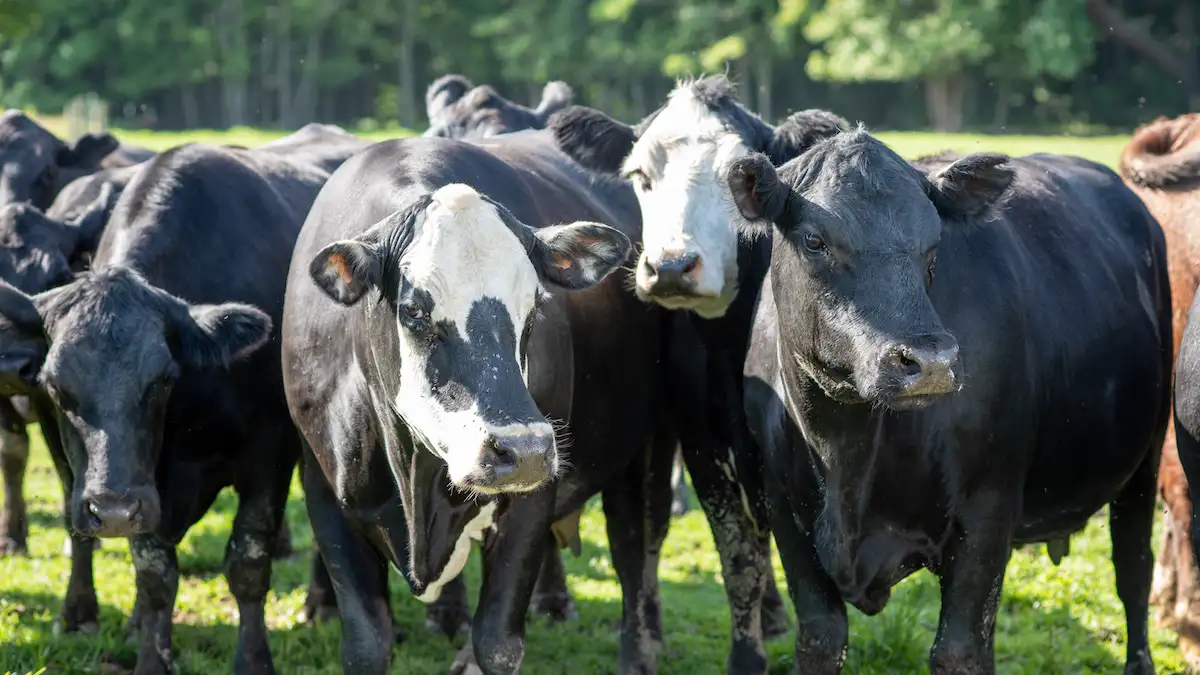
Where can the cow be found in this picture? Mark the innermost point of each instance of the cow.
(951, 357)
(1187, 440)
(35, 164)
(421, 384)
(691, 262)
(163, 368)
(458, 109)
(324, 145)
(1161, 164)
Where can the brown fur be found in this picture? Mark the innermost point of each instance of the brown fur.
(1161, 164)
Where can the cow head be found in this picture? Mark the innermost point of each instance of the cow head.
(35, 165)
(455, 282)
(482, 112)
(677, 159)
(854, 258)
(113, 348)
(37, 251)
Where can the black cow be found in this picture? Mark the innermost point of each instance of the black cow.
(324, 145)
(1187, 410)
(35, 164)
(691, 260)
(427, 330)
(458, 109)
(163, 369)
(950, 358)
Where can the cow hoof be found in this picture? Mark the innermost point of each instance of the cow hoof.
(775, 622)
(11, 547)
(318, 614)
(1139, 665)
(448, 621)
(464, 663)
(556, 607)
(65, 627)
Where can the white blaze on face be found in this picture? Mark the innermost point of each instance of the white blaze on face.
(688, 209)
(462, 253)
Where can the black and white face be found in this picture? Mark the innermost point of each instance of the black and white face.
(463, 280)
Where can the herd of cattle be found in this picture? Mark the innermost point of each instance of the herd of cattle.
(885, 365)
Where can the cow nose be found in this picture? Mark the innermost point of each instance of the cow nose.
(923, 370)
(517, 461)
(106, 513)
(671, 273)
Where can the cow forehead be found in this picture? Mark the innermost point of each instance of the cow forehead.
(464, 252)
(686, 126)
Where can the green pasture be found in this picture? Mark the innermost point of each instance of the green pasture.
(1063, 620)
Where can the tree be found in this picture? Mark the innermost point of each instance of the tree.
(1177, 54)
(939, 41)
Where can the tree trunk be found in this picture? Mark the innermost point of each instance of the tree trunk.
(944, 97)
(189, 106)
(1111, 23)
(763, 75)
(1000, 111)
(408, 67)
(283, 77)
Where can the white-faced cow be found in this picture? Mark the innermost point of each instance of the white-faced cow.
(435, 323)
(693, 260)
(952, 357)
(458, 109)
(163, 370)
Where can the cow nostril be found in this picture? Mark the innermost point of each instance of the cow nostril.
(27, 372)
(690, 264)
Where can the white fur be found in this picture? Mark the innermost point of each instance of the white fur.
(463, 252)
(688, 209)
(462, 550)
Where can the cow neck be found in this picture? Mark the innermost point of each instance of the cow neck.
(434, 517)
(843, 445)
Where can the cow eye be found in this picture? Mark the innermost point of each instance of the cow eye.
(413, 312)
(642, 179)
(814, 242)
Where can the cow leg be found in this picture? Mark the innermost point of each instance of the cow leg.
(551, 598)
(358, 575)
(821, 627)
(744, 547)
(157, 577)
(1131, 522)
(637, 514)
(283, 541)
(512, 558)
(970, 580)
(775, 621)
(80, 610)
(14, 457)
(321, 603)
(681, 496)
(262, 496)
(450, 615)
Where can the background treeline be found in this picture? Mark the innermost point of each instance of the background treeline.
(1067, 65)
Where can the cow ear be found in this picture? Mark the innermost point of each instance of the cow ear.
(756, 190)
(971, 185)
(88, 151)
(22, 341)
(556, 95)
(802, 130)
(579, 255)
(592, 139)
(89, 225)
(344, 270)
(210, 336)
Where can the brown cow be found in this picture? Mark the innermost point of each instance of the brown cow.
(1162, 165)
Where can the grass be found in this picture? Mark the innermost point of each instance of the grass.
(1062, 620)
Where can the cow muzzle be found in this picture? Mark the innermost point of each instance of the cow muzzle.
(516, 460)
(103, 512)
(916, 373)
